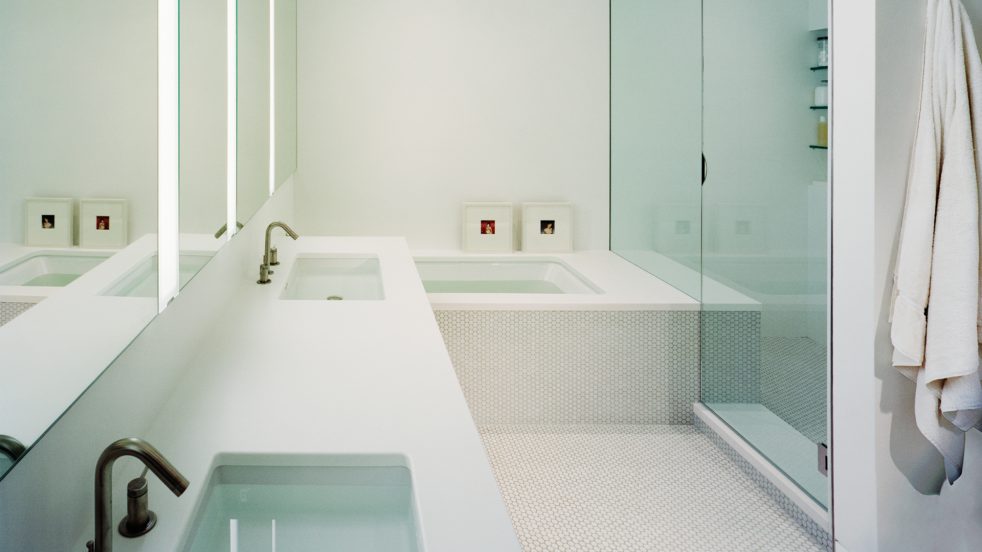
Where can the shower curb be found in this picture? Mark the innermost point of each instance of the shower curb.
(802, 518)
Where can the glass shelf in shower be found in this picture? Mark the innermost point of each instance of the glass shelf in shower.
(819, 107)
(819, 67)
(818, 147)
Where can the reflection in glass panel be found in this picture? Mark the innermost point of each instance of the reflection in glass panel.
(764, 231)
(252, 142)
(285, 89)
(656, 139)
(78, 193)
(203, 139)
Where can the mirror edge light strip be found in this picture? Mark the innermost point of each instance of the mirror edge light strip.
(231, 103)
(168, 155)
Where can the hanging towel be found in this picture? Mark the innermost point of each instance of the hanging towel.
(935, 311)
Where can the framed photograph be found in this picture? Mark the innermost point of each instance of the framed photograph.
(488, 228)
(102, 223)
(49, 222)
(547, 227)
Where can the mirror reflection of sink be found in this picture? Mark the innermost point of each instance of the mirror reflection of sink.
(262, 508)
(50, 268)
(141, 281)
(335, 277)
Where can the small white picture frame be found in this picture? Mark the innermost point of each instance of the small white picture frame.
(488, 228)
(547, 227)
(102, 223)
(49, 222)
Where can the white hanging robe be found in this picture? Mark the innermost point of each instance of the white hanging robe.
(935, 312)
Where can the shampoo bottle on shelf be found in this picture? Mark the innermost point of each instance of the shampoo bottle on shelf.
(823, 132)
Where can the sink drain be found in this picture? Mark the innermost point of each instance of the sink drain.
(335, 298)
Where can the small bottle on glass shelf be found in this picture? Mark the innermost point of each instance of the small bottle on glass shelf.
(822, 94)
(823, 132)
(823, 51)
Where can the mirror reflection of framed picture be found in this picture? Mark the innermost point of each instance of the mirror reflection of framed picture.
(49, 222)
(547, 227)
(102, 223)
(488, 228)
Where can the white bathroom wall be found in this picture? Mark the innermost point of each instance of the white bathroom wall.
(887, 476)
(407, 109)
(909, 471)
(78, 106)
(46, 501)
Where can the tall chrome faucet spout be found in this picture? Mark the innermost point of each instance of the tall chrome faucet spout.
(151, 457)
(264, 268)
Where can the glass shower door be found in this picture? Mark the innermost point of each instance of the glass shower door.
(742, 83)
(764, 231)
(656, 138)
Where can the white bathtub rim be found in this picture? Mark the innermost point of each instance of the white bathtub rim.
(625, 286)
(553, 270)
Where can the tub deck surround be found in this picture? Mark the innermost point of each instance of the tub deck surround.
(622, 286)
(289, 379)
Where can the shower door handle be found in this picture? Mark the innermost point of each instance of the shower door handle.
(705, 169)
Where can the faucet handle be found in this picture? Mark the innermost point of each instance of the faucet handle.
(139, 519)
(263, 274)
(273, 257)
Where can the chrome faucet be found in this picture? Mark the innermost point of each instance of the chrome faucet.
(152, 459)
(224, 227)
(269, 253)
(11, 448)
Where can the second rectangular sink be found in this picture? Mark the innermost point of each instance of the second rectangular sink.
(301, 508)
(50, 268)
(141, 281)
(334, 278)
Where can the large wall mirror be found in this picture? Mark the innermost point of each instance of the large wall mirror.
(78, 195)
(204, 144)
(238, 125)
(80, 190)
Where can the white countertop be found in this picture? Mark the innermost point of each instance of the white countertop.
(324, 378)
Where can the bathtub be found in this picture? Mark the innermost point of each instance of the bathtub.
(581, 337)
(581, 280)
(515, 274)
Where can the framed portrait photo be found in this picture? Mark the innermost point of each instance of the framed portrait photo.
(102, 223)
(488, 228)
(49, 222)
(547, 227)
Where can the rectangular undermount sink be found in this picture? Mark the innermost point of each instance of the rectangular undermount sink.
(50, 268)
(334, 278)
(301, 508)
(141, 281)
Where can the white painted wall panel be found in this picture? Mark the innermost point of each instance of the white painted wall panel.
(407, 109)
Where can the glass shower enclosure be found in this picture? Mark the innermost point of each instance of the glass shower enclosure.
(719, 186)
